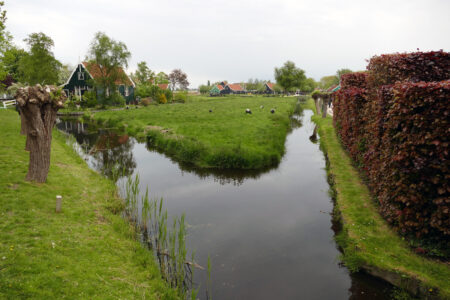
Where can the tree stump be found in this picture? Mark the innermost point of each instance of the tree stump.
(38, 107)
(316, 98)
(326, 100)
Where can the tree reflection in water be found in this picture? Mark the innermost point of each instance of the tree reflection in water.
(111, 151)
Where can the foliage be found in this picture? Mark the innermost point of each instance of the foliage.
(366, 239)
(152, 91)
(396, 130)
(110, 57)
(11, 61)
(412, 67)
(146, 101)
(357, 80)
(180, 97)
(289, 76)
(162, 99)
(5, 40)
(309, 85)
(204, 89)
(143, 74)
(39, 65)
(328, 81)
(64, 73)
(161, 77)
(116, 99)
(341, 72)
(178, 78)
(255, 85)
(89, 99)
(14, 87)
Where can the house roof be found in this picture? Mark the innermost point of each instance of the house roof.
(94, 71)
(163, 86)
(235, 86)
(219, 87)
(270, 85)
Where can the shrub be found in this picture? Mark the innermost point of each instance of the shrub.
(89, 99)
(412, 67)
(180, 97)
(116, 99)
(146, 101)
(168, 93)
(357, 80)
(162, 99)
(397, 130)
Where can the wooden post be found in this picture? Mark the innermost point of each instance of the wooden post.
(58, 203)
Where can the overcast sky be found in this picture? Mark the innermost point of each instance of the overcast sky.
(236, 40)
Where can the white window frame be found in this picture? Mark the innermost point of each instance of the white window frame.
(80, 75)
(127, 93)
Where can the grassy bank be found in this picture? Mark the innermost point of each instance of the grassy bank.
(227, 137)
(366, 239)
(86, 251)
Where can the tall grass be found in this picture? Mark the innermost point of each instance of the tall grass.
(168, 246)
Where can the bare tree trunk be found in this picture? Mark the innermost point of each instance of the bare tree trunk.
(38, 107)
(325, 98)
(316, 102)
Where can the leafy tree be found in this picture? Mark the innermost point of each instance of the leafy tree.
(161, 77)
(110, 57)
(178, 78)
(204, 89)
(143, 73)
(328, 81)
(341, 72)
(309, 85)
(39, 65)
(64, 73)
(11, 61)
(209, 83)
(289, 76)
(5, 40)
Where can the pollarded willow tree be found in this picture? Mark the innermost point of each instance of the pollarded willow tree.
(38, 106)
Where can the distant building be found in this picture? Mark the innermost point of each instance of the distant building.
(233, 88)
(216, 90)
(82, 76)
(270, 88)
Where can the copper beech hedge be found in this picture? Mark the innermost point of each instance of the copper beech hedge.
(394, 122)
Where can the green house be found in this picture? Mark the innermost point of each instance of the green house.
(82, 77)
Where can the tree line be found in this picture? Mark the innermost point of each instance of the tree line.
(38, 65)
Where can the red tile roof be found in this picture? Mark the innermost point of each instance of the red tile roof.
(270, 85)
(220, 87)
(163, 86)
(235, 86)
(94, 71)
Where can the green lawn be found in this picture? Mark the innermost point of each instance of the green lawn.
(366, 238)
(227, 137)
(85, 252)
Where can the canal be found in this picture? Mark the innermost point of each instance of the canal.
(269, 234)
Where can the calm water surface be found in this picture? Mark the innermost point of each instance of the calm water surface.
(269, 234)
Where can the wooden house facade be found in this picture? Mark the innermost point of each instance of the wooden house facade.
(81, 80)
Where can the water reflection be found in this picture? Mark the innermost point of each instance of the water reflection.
(108, 152)
(267, 232)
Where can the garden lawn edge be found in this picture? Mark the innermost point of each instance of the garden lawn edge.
(86, 251)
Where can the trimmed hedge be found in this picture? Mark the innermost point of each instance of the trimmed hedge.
(394, 123)
(357, 79)
(413, 67)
